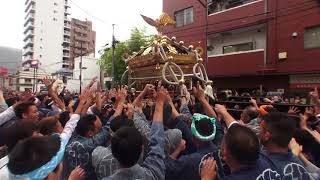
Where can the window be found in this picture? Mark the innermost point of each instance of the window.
(55, 19)
(54, 11)
(184, 17)
(56, 4)
(27, 80)
(312, 37)
(238, 47)
(40, 56)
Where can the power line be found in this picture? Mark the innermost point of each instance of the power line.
(89, 14)
(196, 28)
(197, 31)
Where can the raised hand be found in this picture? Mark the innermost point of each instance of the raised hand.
(315, 94)
(309, 111)
(209, 169)
(60, 104)
(162, 95)
(85, 95)
(149, 89)
(77, 174)
(121, 95)
(47, 81)
(93, 80)
(221, 109)
(293, 110)
(296, 149)
(198, 92)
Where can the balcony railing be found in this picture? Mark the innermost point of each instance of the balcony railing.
(67, 25)
(228, 64)
(28, 42)
(67, 33)
(80, 38)
(79, 30)
(30, 5)
(215, 6)
(66, 48)
(30, 18)
(29, 35)
(29, 24)
(66, 40)
(28, 51)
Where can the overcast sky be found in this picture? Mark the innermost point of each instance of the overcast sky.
(124, 13)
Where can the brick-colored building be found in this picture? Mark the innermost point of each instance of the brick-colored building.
(83, 36)
(251, 43)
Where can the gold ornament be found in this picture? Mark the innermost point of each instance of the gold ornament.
(160, 23)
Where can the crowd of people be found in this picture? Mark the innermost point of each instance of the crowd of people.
(153, 134)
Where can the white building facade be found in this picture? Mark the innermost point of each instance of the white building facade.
(30, 80)
(90, 69)
(47, 34)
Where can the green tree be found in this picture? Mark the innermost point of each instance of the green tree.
(137, 39)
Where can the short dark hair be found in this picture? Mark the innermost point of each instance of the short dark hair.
(281, 127)
(86, 124)
(18, 131)
(119, 122)
(41, 97)
(47, 126)
(64, 118)
(204, 127)
(126, 146)
(32, 153)
(242, 143)
(22, 108)
(11, 101)
(252, 114)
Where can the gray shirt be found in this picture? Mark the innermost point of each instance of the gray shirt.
(153, 167)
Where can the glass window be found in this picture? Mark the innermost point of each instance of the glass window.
(27, 80)
(238, 47)
(312, 37)
(184, 17)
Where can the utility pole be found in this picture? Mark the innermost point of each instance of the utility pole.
(34, 79)
(113, 58)
(80, 76)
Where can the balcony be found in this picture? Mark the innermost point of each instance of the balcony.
(66, 4)
(29, 35)
(30, 18)
(82, 31)
(27, 57)
(67, 26)
(29, 42)
(80, 38)
(214, 6)
(66, 40)
(236, 64)
(28, 51)
(229, 14)
(66, 12)
(66, 48)
(29, 15)
(28, 1)
(67, 33)
(31, 4)
(29, 24)
(66, 55)
(66, 18)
